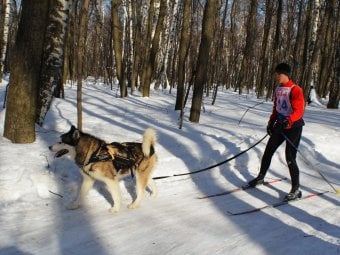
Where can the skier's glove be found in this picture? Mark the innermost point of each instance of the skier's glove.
(285, 124)
(280, 125)
(270, 127)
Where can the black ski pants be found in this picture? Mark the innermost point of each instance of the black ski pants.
(275, 140)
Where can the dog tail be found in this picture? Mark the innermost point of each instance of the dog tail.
(149, 141)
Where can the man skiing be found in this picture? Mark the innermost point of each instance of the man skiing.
(285, 123)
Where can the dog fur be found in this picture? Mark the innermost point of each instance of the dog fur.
(100, 161)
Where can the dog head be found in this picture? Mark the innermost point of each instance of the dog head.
(66, 146)
(71, 137)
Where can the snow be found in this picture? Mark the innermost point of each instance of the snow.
(35, 187)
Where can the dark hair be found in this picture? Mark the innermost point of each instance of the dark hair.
(283, 68)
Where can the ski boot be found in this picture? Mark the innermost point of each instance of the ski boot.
(293, 195)
(257, 181)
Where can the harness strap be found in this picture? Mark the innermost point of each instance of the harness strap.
(121, 162)
(94, 157)
(118, 162)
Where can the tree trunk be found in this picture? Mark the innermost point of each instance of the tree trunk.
(334, 90)
(117, 46)
(5, 6)
(151, 63)
(245, 72)
(210, 12)
(233, 44)
(51, 75)
(298, 44)
(313, 48)
(264, 61)
(137, 44)
(146, 44)
(327, 50)
(276, 47)
(81, 58)
(183, 53)
(128, 48)
(71, 39)
(25, 70)
(98, 40)
(219, 72)
(306, 54)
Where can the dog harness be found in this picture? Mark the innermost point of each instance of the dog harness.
(118, 161)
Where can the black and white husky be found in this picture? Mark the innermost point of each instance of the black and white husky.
(99, 160)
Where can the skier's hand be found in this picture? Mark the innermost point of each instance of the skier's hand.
(285, 124)
(280, 125)
(270, 127)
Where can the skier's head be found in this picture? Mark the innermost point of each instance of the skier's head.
(283, 68)
(282, 73)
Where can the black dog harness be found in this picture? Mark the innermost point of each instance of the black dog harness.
(118, 161)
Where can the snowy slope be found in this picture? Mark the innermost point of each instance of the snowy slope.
(35, 187)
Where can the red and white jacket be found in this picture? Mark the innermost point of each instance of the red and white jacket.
(289, 103)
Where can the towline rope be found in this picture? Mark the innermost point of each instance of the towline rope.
(213, 166)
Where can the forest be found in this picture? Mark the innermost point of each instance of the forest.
(192, 46)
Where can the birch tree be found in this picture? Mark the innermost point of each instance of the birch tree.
(5, 6)
(151, 63)
(312, 47)
(168, 45)
(51, 75)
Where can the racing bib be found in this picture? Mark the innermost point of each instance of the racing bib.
(283, 106)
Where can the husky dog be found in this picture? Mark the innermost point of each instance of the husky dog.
(108, 162)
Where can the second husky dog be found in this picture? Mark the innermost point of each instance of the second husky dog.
(109, 162)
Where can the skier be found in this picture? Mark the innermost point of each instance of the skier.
(285, 123)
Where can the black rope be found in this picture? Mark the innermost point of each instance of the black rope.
(250, 107)
(218, 164)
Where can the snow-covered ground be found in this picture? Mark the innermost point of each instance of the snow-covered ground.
(35, 187)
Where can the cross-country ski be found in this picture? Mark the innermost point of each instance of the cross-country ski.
(245, 187)
(277, 204)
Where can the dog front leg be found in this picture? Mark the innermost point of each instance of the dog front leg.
(86, 185)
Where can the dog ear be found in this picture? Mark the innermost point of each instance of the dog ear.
(76, 134)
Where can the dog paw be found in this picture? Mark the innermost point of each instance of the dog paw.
(153, 194)
(114, 210)
(72, 206)
(133, 206)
